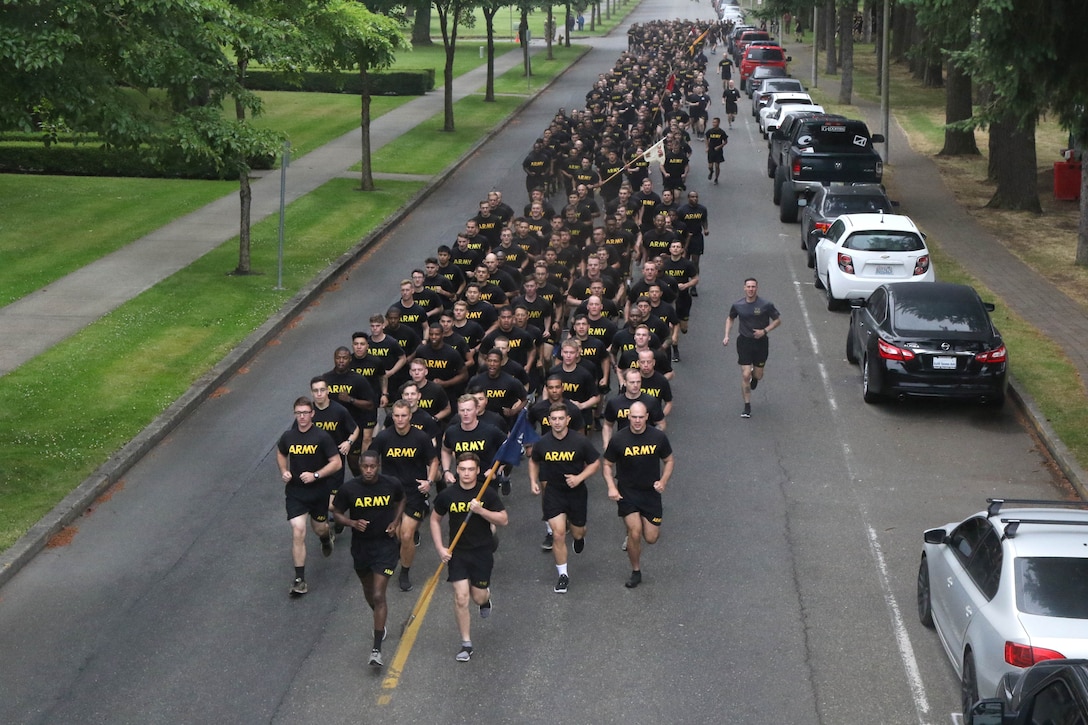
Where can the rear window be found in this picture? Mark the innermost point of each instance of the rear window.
(837, 205)
(828, 136)
(765, 54)
(929, 315)
(884, 242)
(752, 36)
(1052, 586)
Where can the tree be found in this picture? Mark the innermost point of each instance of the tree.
(829, 37)
(849, 9)
(451, 14)
(489, 9)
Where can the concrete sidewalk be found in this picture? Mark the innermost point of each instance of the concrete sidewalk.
(40, 320)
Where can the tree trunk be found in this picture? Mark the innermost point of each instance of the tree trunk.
(1013, 166)
(550, 31)
(1081, 259)
(958, 107)
(245, 192)
(523, 33)
(366, 180)
(902, 22)
(489, 20)
(878, 38)
(566, 25)
(830, 23)
(421, 24)
(846, 82)
(916, 55)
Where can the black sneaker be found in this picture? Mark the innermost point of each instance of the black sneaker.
(747, 412)
(561, 585)
(405, 581)
(675, 355)
(753, 383)
(375, 658)
(504, 485)
(710, 175)
(485, 609)
(634, 581)
(415, 538)
(326, 545)
(465, 654)
(298, 588)
(548, 543)
(579, 544)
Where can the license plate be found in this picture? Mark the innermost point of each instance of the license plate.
(944, 363)
(884, 270)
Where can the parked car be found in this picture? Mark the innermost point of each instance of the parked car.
(778, 141)
(761, 73)
(769, 115)
(929, 340)
(761, 55)
(761, 96)
(1053, 691)
(1006, 588)
(746, 38)
(825, 204)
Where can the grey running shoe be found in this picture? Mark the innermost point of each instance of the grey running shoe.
(548, 543)
(298, 588)
(561, 585)
(485, 609)
(623, 546)
(375, 658)
(465, 654)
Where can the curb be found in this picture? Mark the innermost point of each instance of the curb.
(83, 496)
(1040, 427)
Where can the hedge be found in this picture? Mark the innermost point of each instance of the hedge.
(394, 83)
(97, 161)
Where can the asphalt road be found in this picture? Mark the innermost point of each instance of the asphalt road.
(782, 590)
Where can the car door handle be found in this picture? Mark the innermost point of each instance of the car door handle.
(968, 611)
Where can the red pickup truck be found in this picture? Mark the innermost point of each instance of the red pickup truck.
(756, 55)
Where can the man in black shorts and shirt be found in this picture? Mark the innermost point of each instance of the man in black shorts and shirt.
(306, 456)
(409, 456)
(371, 506)
(351, 390)
(473, 558)
(562, 460)
(373, 370)
(638, 463)
(757, 317)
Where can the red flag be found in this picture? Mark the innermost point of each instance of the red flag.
(671, 83)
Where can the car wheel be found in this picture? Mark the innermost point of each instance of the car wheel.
(968, 683)
(779, 179)
(771, 168)
(850, 356)
(925, 610)
(816, 281)
(867, 393)
(787, 209)
(812, 257)
(832, 303)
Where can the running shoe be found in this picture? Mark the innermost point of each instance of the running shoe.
(485, 609)
(375, 658)
(754, 383)
(634, 581)
(579, 544)
(561, 585)
(623, 546)
(504, 485)
(326, 545)
(747, 412)
(415, 538)
(465, 654)
(298, 588)
(405, 580)
(549, 542)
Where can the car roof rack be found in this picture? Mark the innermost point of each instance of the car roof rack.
(994, 504)
(1012, 525)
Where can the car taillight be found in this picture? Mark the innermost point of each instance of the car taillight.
(1022, 655)
(889, 351)
(998, 355)
(822, 227)
(921, 266)
(846, 263)
(796, 168)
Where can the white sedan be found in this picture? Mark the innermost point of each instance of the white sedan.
(782, 103)
(860, 252)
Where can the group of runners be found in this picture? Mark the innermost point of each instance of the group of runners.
(575, 318)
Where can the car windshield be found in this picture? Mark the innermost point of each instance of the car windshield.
(836, 137)
(922, 315)
(884, 242)
(837, 205)
(1052, 586)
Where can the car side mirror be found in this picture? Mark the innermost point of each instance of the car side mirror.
(987, 712)
(789, 58)
(935, 536)
(856, 303)
(877, 138)
(989, 306)
(895, 204)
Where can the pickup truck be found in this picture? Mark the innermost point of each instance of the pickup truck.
(819, 150)
(1052, 691)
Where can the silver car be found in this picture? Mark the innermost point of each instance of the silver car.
(762, 95)
(1006, 588)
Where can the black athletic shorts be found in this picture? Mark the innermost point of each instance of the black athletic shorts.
(302, 499)
(696, 245)
(379, 556)
(752, 351)
(683, 306)
(472, 564)
(715, 156)
(559, 498)
(416, 505)
(645, 503)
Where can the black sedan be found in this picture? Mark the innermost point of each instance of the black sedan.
(827, 203)
(930, 340)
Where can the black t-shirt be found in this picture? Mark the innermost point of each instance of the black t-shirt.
(657, 386)
(454, 502)
(521, 344)
(618, 408)
(539, 311)
(471, 331)
(503, 391)
(335, 420)
(309, 451)
(559, 457)
(594, 355)
(578, 384)
(629, 359)
(375, 502)
(445, 363)
(482, 313)
(420, 420)
(538, 414)
(433, 398)
(413, 316)
(352, 384)
(388, 351)
(372, 369)
(484, 440)
(405, 457)
(638, 457)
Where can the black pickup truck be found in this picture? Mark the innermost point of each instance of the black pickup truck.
(819, 150)
(1052, 691)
